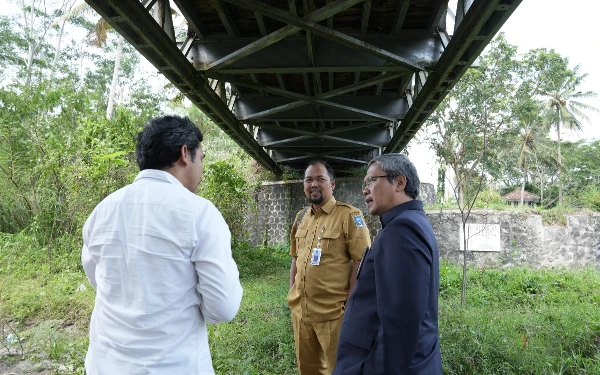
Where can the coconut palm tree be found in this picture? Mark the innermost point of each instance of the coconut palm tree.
(534, 150)
(566, 109)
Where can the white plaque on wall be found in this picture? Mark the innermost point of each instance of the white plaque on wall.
(481, 237)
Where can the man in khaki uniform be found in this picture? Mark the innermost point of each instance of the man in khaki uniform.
(327, 241)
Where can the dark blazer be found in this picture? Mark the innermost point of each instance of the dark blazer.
(390, 325)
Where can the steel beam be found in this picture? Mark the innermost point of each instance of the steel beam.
(304, 70)
(400, 16)
(302, 97)
(439, 10)
(305, 137)
(388, 106)
(225, 16)
(187, 10)
(262, 23)
(324, 32)
(162, 15)
(361, 125)
(222, 54)
(322, 155)
(365, 17)
(280, 34)
(330, 94)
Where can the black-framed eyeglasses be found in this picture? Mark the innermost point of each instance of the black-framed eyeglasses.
(369, 181)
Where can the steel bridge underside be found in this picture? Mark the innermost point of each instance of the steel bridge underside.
(293, 80)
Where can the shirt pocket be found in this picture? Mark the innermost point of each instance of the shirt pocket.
(300, 238)
(333, 242)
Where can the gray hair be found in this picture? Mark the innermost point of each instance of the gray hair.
(399, 165)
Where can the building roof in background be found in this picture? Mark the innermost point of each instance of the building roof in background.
(515, 196)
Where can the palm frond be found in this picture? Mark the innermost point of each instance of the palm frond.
(99, 36)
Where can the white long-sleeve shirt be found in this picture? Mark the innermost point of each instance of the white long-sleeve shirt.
(160, 259)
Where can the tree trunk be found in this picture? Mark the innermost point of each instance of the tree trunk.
(463, 293)
(30, 40)
(115, 78)
(560, 180)
(523, 184)
(57, 50)
(461, 193)
(541, 188)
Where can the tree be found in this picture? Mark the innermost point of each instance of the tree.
(473, 125)
(476, 117)
(581, 163)
(558, 86)
(36, 24)
(532, 146)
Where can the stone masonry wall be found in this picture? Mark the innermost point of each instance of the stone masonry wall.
(278, 202)
(524, 240)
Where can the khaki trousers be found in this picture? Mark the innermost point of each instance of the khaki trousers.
(316, 345)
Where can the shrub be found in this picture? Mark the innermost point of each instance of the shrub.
(230, 193)
(489, 199)
(590, 198)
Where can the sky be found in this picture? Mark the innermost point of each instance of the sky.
(568, 27)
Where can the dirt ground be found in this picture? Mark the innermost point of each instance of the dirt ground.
(18, 366)
(36, 360)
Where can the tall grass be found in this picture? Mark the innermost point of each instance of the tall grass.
(517, 321)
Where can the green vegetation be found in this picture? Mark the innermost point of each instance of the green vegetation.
(229, 191)
(63, 148)
(516, 321)
(490, 200)
(494, 128)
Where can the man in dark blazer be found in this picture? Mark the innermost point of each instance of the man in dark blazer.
(390, 324)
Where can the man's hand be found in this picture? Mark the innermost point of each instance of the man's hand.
(353, 278)
(293, 272)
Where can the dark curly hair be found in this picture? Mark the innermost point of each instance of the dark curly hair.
(159, 143)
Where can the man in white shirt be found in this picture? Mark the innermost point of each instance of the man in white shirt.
(159, 257)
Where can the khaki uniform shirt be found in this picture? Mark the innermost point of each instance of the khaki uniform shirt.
(320, 291)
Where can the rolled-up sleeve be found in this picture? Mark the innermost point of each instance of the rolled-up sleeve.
(218, 277)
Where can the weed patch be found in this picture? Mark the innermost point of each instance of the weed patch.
(516, 321)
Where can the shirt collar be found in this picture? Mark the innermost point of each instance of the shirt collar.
(156, 174)
(327, 207)
(397, 210)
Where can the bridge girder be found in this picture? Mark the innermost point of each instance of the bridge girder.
(292, 80)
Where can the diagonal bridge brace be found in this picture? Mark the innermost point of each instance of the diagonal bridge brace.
(330, 94)
(306, 98)
(315, 28)
(321, 135)
(319, 15)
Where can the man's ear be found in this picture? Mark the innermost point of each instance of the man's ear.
(183, 152)
(332, 184)
(401, 183)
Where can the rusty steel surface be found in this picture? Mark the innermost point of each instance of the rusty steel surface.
(294, 80)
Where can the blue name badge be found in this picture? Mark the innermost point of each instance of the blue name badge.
(358, 220)
(315, 258)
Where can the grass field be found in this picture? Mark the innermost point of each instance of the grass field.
(516, 321)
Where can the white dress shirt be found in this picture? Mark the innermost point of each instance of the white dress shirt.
(160, 259)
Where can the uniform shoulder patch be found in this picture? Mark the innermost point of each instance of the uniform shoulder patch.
(358, 220)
